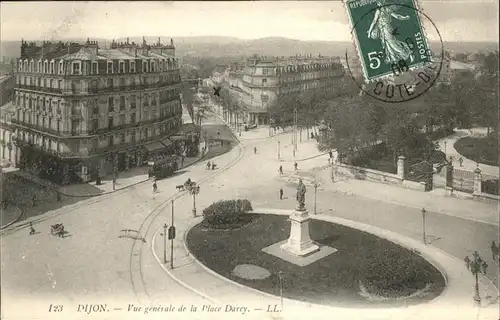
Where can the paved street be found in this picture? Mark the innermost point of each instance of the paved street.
(94, 264)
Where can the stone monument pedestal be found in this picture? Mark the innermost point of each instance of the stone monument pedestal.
(299, 243)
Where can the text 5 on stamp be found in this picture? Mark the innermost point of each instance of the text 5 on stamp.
(389, 36)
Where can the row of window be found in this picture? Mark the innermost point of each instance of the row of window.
(122, 82)
(49, 104)
(40, 121)
(303, 87)
(308, 76)
(308, 67)
(46, 104)
(113, 66)
(94, 84)
(164, 97)
(144, 134)
(42, 83)
(116, 121)
(48, 123)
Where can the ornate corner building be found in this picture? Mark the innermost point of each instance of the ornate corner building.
(263, 80)
(86, 112)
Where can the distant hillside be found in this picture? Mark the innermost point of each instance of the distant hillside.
(273, 46)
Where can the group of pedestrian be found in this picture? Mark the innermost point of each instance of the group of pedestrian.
(460, 161)
(295, 167)
(482, 263)
(211, 165)
(280, 170)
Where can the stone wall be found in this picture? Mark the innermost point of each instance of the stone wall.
(398, 179)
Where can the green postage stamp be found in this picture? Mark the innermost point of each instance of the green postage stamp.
(389, 36)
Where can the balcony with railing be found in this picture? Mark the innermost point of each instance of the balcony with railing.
(39, 88)
(124, 88)
(91, 133)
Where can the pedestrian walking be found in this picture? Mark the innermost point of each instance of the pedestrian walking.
(467, 262)
(208, 165)
(461, 161)
(213, 165)
(155, 187)
(296, 166)
(280, 170)
(484, 267)
(281, 194)
(33, 200)
(254, 150)
(494, 250)
(32, 230)
(330, 153)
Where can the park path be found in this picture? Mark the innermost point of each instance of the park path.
(446, 145)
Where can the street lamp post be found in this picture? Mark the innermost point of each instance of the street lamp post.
(315, 192)
(278, 149)
(423, 226)
(164, 234)
(172, 236)
(194, 189)
(445, 147)
(280, 275)
(294, 131)
(475, 267)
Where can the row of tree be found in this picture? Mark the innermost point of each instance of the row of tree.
(359, 120)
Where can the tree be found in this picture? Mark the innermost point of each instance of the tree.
(231, 104)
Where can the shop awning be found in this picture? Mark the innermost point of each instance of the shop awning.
(154, 146)
(166, 142)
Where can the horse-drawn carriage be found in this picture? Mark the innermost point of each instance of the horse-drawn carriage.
(57, 230)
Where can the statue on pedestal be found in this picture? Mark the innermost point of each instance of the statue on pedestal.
(301, 196)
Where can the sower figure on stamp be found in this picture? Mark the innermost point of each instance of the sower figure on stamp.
(301, 196)
(381, 28)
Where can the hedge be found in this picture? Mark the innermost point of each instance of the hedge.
(226, 214)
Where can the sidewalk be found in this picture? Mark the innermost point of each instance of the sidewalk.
(436, 200)
(124, 180)
(10, 215)
(306, 149)
(447, 145)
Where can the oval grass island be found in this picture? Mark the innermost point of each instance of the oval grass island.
(366, 271)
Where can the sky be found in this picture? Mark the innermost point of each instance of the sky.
(456, 20)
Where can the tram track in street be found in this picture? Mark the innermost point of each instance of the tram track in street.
(138, 282)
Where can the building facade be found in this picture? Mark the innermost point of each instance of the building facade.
(95, 111)
(7, 83)
(264, 80)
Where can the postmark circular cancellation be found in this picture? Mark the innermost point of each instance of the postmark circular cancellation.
(397, 62)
